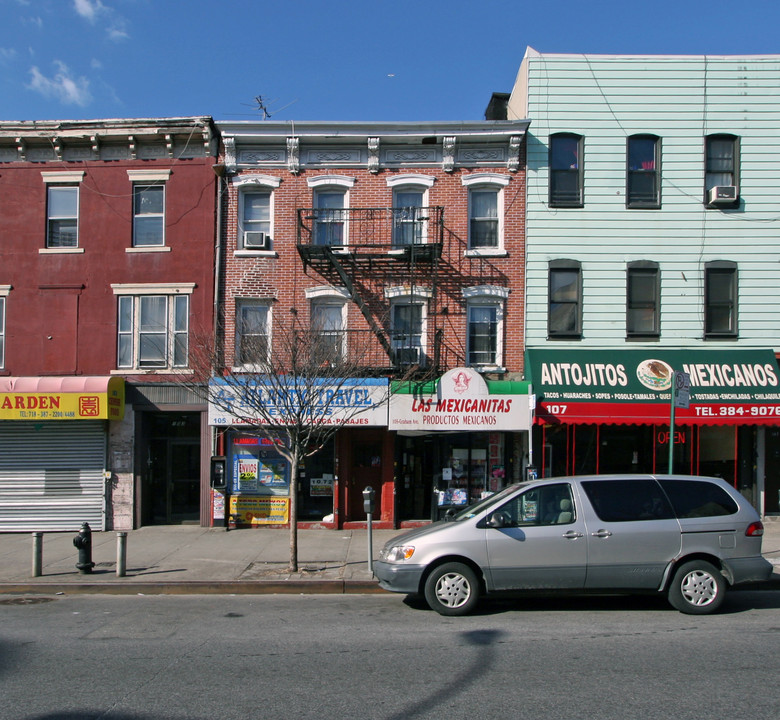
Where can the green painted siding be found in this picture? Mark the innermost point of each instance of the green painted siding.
(681, 100)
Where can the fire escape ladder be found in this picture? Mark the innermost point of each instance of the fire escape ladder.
(358, 300)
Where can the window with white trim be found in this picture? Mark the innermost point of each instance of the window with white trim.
(485, 325)
(62, 216)
(148, 215)
(255, 212)
(486, 212)
(148, 207)
(253, 332)
(331, 200)
(407, 321)
(62, 209)
(328, 326)
(410, 202)
(153, 326)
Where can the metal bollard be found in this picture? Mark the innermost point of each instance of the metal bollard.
(37, 554)
(121, 554)
(83, 541)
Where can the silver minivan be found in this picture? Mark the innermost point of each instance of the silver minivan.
(688, 537)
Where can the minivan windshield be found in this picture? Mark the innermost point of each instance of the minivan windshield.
(475, 509)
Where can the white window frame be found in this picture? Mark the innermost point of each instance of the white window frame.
(4, 291)
(332, 184)
(141, 179)
(494, 182)
(411, 183)
(238, 364)
(261, 185)
(333, 299)
(492, 296)
(405, 295)
(53, 180)
(129, 301)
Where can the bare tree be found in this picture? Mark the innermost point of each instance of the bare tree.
(297, 394)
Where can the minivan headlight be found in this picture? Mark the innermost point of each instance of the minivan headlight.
(397, 553)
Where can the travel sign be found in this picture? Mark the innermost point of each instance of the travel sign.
(635, 386)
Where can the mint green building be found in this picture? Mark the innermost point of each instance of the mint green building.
(653, 248)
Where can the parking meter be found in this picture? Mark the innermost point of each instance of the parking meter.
(368, 500)
(368, 506)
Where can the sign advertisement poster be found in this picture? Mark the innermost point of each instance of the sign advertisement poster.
(460, 401)
(252, 474)
(260, 510)
(322, 486)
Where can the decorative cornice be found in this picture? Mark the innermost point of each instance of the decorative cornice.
(293, 155)
(373, 155)
(230, 153)
(513, 160)
(448, 147)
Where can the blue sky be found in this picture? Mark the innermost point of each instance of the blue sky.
(391, 60)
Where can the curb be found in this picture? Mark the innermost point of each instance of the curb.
(205, 587)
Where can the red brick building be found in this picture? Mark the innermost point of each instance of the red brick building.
(406, 239)
(106, 271)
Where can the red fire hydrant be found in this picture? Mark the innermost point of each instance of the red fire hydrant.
(83, 541)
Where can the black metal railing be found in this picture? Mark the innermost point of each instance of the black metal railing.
(372, 230)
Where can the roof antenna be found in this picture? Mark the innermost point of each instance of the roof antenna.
(264, 106)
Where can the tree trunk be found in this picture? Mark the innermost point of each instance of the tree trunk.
(294, 513)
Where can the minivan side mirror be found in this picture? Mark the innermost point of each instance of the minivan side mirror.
(497, 520)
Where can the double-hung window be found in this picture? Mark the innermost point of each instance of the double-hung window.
(485, 325)
(255, 208)
(642, 300)
(564, 317)
(408, 323)
(720, 299)
(148, 215)
(410, 212)
(328, 342)
(565, 160)
(253, 332)
(148, 208)
(153, 326)
(331, 200)
(62, 209)
(721, 172)
(486, 211)
(407, 333)
(643, 189)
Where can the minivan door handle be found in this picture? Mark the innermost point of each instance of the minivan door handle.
(601, 533)
(572, 535)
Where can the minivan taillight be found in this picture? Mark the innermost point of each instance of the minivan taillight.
(755, 529)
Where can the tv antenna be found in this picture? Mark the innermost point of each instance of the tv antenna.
(263, 105)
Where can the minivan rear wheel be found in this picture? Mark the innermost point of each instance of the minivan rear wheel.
(697, 588)
(452, 589)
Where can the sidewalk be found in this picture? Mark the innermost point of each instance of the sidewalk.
(187, 559)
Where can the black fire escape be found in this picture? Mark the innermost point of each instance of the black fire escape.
(368, 250)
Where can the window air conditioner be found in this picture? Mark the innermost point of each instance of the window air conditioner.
(407, 356)
(255, 240)
(722, 195)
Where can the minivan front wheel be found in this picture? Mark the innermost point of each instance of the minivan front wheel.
(452, 589)
(697, 588)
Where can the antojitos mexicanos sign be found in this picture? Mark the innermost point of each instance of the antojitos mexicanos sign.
(62, 398)
(460, 400)
(726, 386)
